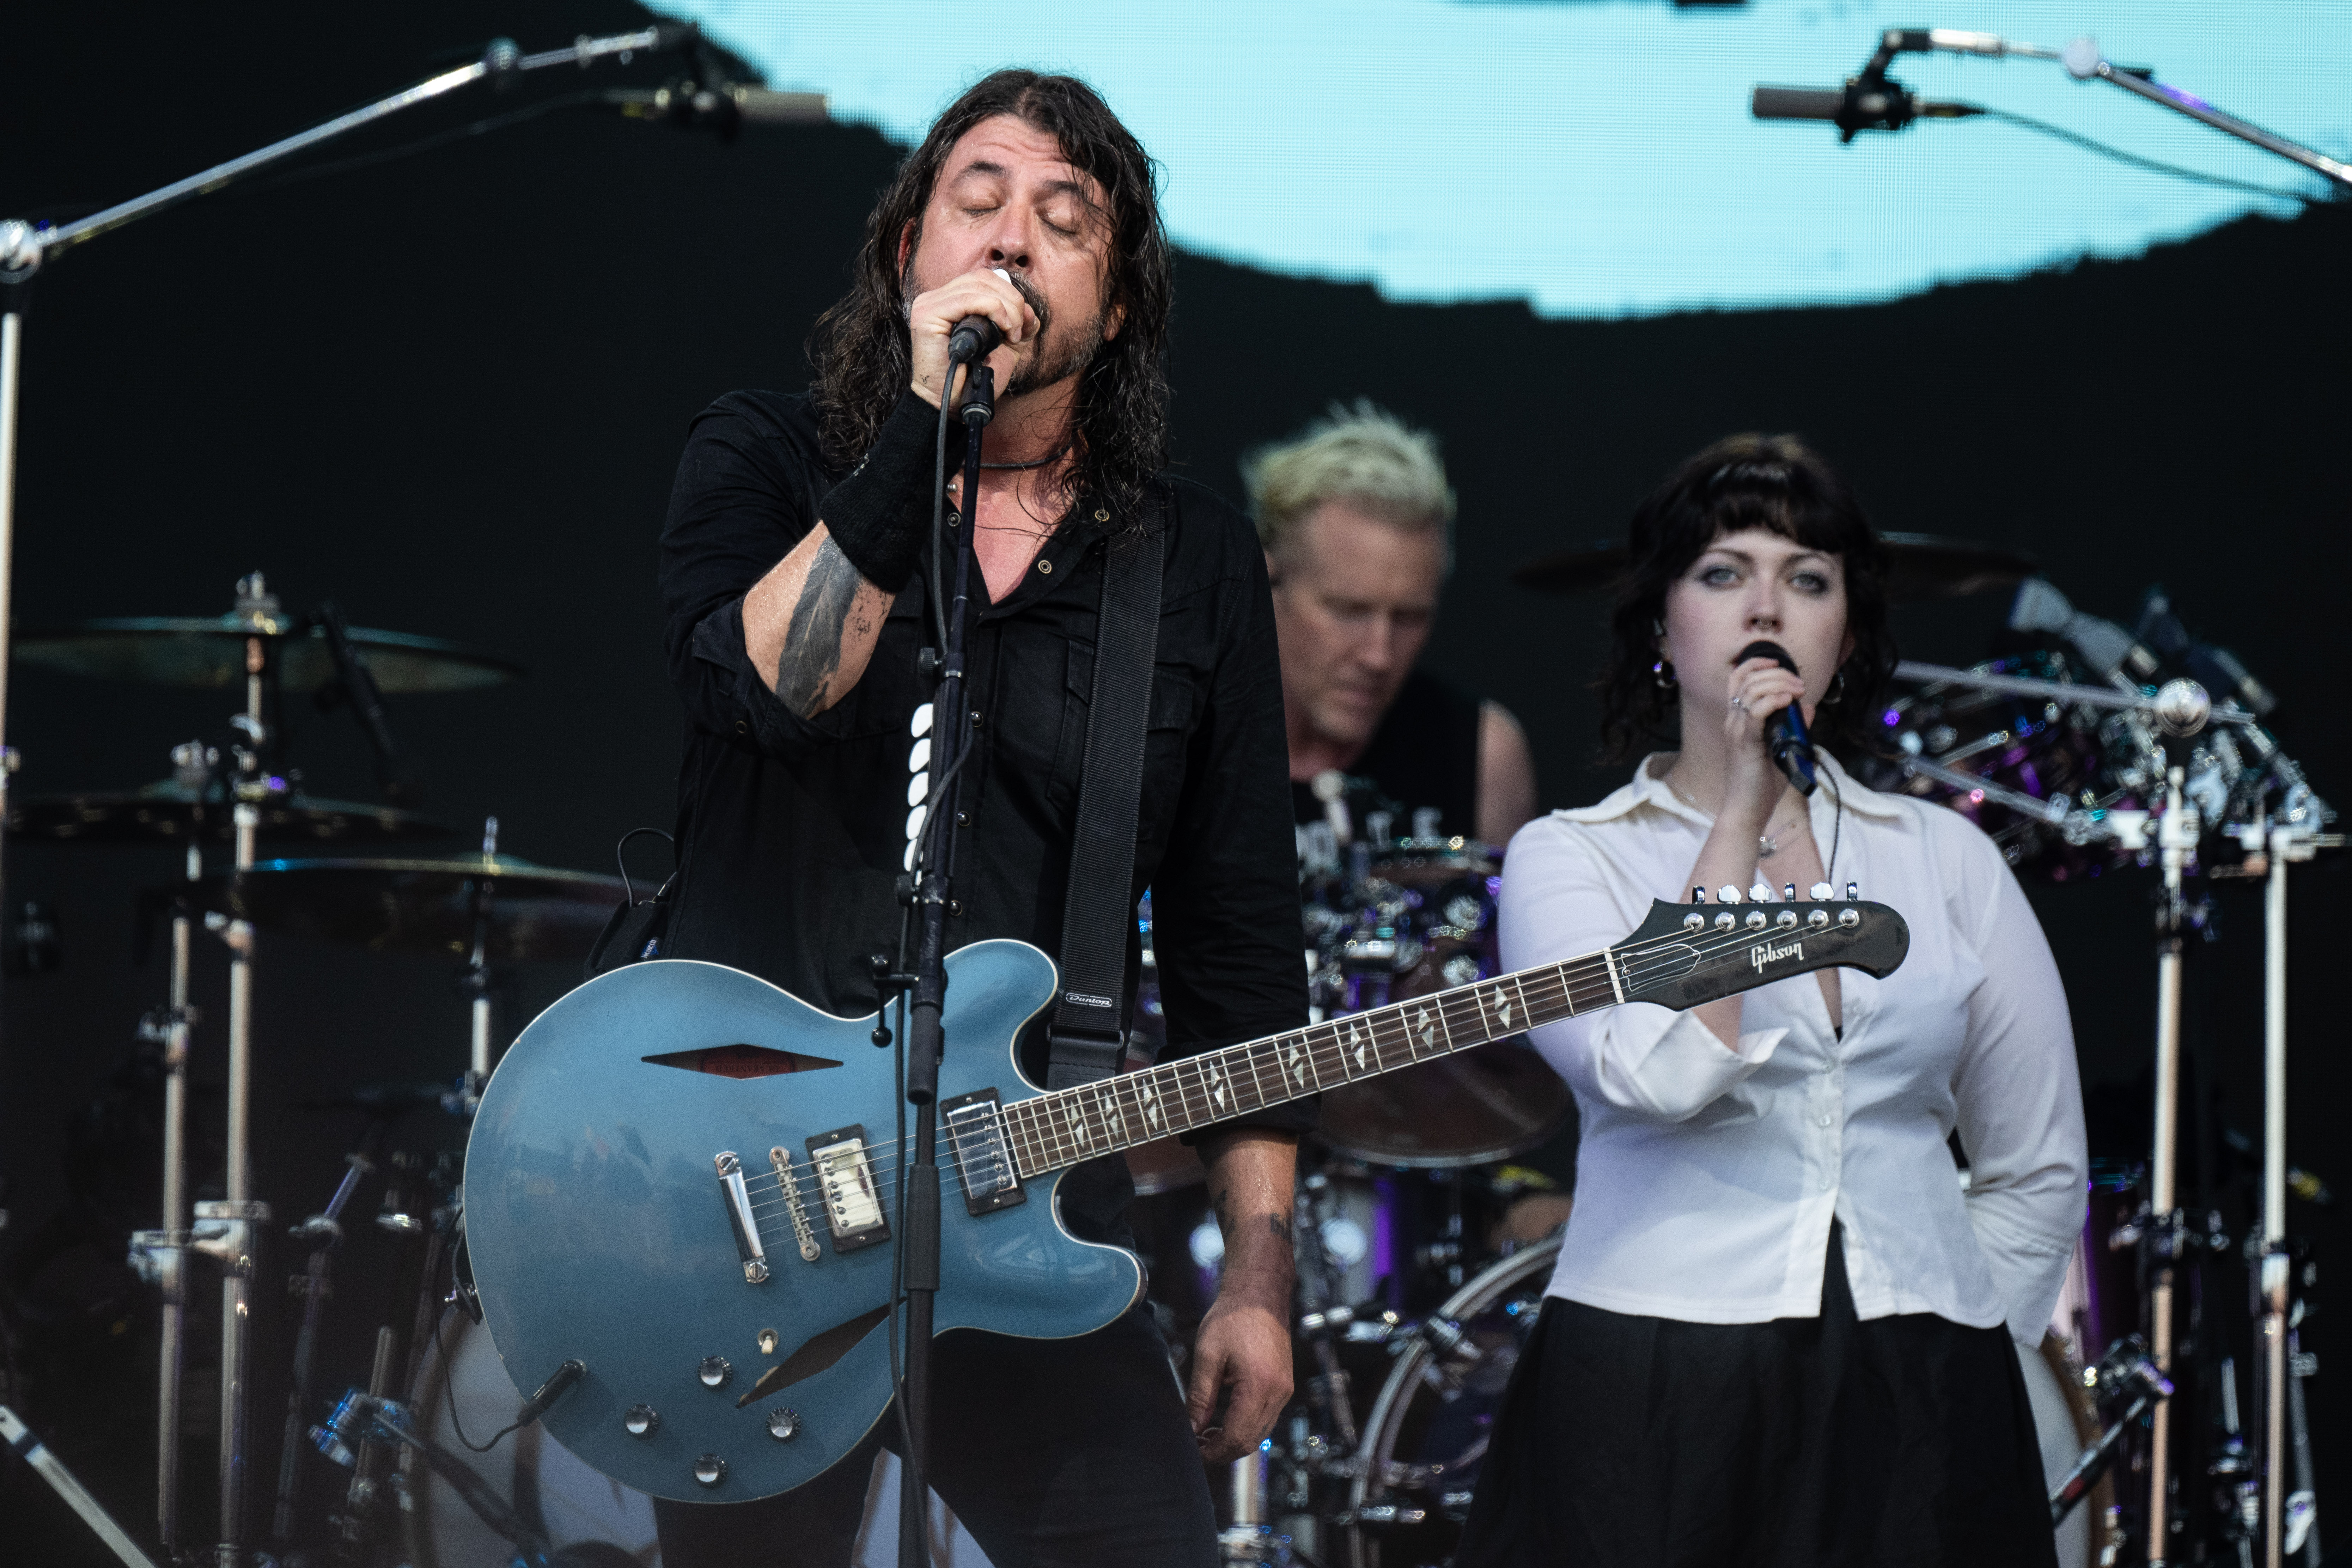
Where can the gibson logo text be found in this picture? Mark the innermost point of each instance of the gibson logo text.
(1768, 953)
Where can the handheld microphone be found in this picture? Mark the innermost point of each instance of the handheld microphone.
(1791, 747)
(974, 337)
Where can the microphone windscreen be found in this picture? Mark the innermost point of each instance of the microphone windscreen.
(1796, 103)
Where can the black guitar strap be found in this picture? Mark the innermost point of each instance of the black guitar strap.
(1088, 1026)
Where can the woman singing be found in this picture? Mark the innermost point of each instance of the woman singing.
(1779, 1330)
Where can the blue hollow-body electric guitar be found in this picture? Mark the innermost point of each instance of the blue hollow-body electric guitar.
(687, 1178)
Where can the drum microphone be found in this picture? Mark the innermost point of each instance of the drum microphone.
(1784, 732)
(554, 1389)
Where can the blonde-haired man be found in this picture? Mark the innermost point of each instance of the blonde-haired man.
(1358, 524)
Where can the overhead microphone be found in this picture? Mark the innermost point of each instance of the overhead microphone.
(1784, 735)
(1864, 103)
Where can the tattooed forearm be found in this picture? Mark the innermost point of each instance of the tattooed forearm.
(1280, 1225)
(813, 637)
(1221, 1204)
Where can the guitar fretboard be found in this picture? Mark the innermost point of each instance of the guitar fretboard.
(1066, 1126)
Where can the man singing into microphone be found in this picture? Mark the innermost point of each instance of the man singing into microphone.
(794, 572)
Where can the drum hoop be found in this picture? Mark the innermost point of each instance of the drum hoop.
(1480, 1292)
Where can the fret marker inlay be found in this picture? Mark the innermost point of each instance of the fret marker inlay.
(1428, 1030)
(1356, 1040)
(1502, 1007)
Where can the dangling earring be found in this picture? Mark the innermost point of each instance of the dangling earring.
(1836, 690)
(1663, 674)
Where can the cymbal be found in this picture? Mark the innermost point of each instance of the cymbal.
(1464, 1109)
(424, 906)
(209, 651)
(171, 812)
(1922, 566)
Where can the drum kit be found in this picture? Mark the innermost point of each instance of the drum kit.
(1424, 1249)
(363, 875)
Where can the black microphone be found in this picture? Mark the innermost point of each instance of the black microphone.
(974, 337)
(554, 1389)
(1785, 736)
(1864, 103)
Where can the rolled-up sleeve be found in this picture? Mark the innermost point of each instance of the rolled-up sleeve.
(2017, 1096)
(1562, 899)
(742, 498)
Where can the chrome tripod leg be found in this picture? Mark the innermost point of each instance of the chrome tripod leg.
(171, 1259)
(2273, 1285)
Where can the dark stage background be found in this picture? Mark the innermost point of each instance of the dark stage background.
(449, 389)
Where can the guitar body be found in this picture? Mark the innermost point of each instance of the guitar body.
(599, 1229)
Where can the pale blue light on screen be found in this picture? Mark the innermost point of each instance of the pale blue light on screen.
(1597, 158)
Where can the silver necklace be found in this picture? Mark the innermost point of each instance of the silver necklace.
(1766, 846)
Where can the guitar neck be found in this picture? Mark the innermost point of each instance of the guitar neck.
(1061, 1128)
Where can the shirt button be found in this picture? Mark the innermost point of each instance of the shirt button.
(1825, 1183)
(741, 727)
(1047, 567)
(1825, 1118)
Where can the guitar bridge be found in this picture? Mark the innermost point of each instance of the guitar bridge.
(845, 1179)
(975, 1124)
(803, 1235)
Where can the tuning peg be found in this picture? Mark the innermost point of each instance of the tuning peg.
(1789, 894)
(1761, 893)
(1698, 895)
(1820, 892)
(1853, 891)
(1727, 894)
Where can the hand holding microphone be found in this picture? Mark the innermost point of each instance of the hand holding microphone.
(1786, 740)
(962, 323)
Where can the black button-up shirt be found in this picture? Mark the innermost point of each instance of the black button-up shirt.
(792, 831)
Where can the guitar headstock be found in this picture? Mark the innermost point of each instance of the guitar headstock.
(1686, 954)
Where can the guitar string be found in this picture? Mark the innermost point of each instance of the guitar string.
(1661, 955)
(1196, 1099)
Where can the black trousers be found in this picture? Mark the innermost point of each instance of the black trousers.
(1903, 1442)
(1055, 1454)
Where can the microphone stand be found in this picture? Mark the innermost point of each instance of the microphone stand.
(918, 1243)
(25, 246)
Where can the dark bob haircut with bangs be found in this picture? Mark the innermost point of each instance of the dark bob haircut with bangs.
(1776, 483)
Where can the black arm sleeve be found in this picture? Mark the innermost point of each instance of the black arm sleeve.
(1225, 904)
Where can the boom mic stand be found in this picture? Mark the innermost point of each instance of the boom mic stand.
(230, 1230)
(919, 1242)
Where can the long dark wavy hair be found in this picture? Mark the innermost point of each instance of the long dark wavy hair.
(1772, 482)
(859, 346)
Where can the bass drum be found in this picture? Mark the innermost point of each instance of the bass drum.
(1428, 1430)
(548, 1485)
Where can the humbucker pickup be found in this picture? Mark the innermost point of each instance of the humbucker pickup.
(975, 1124)
(845, 1179)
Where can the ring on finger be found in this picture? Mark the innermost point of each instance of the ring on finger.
(1741, 703)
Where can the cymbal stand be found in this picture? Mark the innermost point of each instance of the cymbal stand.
(2283, 845)
(160, 1256)
(2163, 1232)
(475, 981)
(25, 247)
(234, 1236)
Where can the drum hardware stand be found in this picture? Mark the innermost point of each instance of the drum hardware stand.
(475, 981)
(2126, 1374)
(159, 1257)
(2164, 1233)
(19, 1439)
(321, 1235)
(2281, 844)
(1250, 1538)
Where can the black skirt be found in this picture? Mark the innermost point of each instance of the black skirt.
(1903, 1442)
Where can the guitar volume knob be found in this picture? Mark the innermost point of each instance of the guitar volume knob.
(710, 1469)
(641, 1421)
(784, 1423)
(716, 1372)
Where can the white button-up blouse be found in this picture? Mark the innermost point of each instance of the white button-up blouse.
(1706, 1177)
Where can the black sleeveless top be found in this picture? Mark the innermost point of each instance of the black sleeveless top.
(1425, 754)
